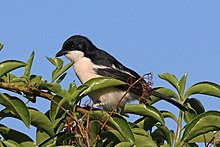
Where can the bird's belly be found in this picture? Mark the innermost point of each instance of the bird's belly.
(110, 97)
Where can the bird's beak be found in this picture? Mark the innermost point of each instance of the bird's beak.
(61, 53)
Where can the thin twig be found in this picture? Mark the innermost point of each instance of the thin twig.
(114, 109)
(210, 142)
(36, 92)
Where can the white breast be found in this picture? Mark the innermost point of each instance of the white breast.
(84, 69)
(107, 98)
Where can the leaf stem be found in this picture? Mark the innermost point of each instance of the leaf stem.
(179, 127)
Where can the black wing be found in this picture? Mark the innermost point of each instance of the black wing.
(125, 77)
(111, 67)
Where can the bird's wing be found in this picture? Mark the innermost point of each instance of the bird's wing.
(124, 76)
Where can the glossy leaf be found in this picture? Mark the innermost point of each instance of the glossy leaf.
(11, 143)
(168, 114)
(99, 83)
(59, 68)
(123, 144)
(123, 127)
(9, 65)
(157, 136)
(182, 85)
(42, 137)
(196, 105)
(171, 79)
(60, 79)
(40, 121)
(56, 62)
(203, 137)
(7, 78)
(1, 46)
(55, 110)
(204, 123)
(10, 134)
(62, 70)
(207, 88)
(190, 114)
(142, 109)
(17, 106)
(35, 79)
(142, 138)
(149, 123)
(94, 129)
(115, 121)
(72, 87)
(168, 135)
(28, 144)
(112, 136)
(28, 66)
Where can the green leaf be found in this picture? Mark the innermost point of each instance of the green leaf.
(35, 79)
(207, 88)
(60, 79)
(149, 123)
(190, 114)
(202, 124)
(94, 130)
(11, 143)
(28, 144)
(123, 144)
(99, 83)
(123, 127)
(40, 120)
(42, 137)
(56, 62)
(168, 135)
(203, 137)
(171, 79)
(115, 121)
(10, 134)
(142, 138)
(7, 78)
(72, 87)
(166, 91)
(182, 85)
(196, 105)
(112, 136)
(143, 110)
(55, 110)
(194, 109)
(9, 65)
(62, 70)
(59, 68)
(28, 66)
(17, 106)
(169, 115)
(1, 46)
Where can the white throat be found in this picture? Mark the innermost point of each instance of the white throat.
(74, 56)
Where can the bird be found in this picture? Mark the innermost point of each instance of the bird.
(91, 62)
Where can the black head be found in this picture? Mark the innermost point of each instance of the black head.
(75, 43)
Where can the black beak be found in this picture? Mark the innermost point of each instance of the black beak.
(61, 53)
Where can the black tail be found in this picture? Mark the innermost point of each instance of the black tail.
(166, 98)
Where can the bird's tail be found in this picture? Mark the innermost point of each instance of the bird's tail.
(166, 98)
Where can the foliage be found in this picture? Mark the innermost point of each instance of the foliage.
(67, 123)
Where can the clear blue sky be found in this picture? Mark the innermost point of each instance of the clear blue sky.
(147, 36)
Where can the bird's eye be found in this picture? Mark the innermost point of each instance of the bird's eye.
(80, 46)
(73, 46)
